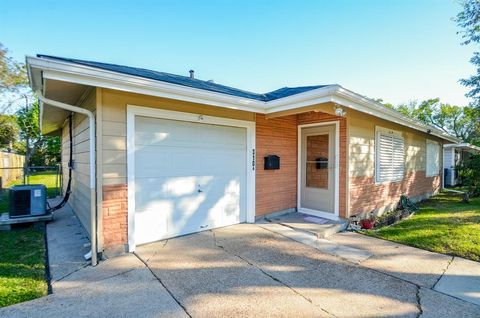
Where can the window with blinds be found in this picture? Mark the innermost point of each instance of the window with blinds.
(433, 158)
(390, 158)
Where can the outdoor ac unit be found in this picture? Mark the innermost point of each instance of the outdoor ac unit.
(28, 200)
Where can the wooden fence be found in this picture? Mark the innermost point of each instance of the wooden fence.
(11, 168)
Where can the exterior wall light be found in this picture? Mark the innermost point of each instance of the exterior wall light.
(340, 112)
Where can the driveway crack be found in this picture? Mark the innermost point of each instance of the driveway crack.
(419, 301)
(66, 275)
(163, 284)
(156, 251)
(268, 274)
(444, 271)
(118, 274)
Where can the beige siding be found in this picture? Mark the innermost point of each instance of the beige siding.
(362, 144)
(365, 195)
(114, 128)
(80, 196)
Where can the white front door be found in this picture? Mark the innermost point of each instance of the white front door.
(317, 170)
(189, 177)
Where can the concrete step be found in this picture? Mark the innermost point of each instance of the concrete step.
(348, 253)
(319, 227)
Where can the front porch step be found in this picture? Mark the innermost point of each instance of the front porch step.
(316, 226)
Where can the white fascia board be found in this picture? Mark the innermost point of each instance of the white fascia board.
(81, 74)
(76, 73)
(312, 97)
(361, 103)
(341, 96)
(462, 145)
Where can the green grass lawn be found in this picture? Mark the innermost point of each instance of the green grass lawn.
(443, 224)
(46, 178)
(22, 266)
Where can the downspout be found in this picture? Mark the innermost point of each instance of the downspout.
(91, 119)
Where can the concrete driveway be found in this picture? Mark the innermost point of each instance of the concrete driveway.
(258, 270)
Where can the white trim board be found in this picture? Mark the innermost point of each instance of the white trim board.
(133, 111)
(336, 207)
(47, 68)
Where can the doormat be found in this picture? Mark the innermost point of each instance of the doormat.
(314, 219)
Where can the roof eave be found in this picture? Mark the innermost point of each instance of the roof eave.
(87, 75)
(462, 145)
(71, 72)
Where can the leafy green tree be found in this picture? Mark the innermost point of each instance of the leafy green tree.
(39, 150)
(8, 131)
(461, 122)
(16, 94)
(469, 21)
(14, 89)
(469, 171)
(27, 119)
(48, 153)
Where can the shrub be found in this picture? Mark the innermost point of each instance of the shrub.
(469, 172)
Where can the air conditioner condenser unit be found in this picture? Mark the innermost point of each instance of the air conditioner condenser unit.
(28, 200)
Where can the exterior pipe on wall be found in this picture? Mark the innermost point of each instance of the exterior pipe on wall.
(91, 118)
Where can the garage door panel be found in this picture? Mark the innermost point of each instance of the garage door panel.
(150, 190)
(188, 177)
(164, 132)
(154, 131)
(158, 162)
(149, 223)
(148, 162)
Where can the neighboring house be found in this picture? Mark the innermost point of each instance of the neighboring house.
(453, 156)
(177, 155)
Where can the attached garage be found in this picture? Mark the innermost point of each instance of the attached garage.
(187, 173)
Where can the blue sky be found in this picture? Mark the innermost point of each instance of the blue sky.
(398, 50)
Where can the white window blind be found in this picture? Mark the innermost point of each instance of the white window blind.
(433, 158)
(390, 157)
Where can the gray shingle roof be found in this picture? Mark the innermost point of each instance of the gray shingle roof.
(187, 81)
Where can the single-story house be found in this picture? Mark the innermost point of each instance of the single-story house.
(176, 155)
(453, 156)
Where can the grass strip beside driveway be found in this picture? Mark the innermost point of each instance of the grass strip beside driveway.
(443, 224)
(22, 266)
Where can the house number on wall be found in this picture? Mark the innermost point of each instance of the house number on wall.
(253, 159)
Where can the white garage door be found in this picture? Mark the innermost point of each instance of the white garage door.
(189, 177)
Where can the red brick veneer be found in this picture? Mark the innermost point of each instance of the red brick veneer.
(115, 215)
(276, 190)
(366, 196)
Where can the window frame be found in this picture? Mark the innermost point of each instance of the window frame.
(437, 172)
(397, 134)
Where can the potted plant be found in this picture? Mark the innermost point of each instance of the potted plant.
(368, 223)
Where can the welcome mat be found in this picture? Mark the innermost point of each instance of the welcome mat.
(314, 219)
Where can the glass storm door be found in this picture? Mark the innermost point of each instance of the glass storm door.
(318, 169)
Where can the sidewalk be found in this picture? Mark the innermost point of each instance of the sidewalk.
(67, 244)
(453, 276)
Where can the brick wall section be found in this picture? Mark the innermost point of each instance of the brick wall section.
(114, 215)
(276, 190)
(366, 196)
(313, 117)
